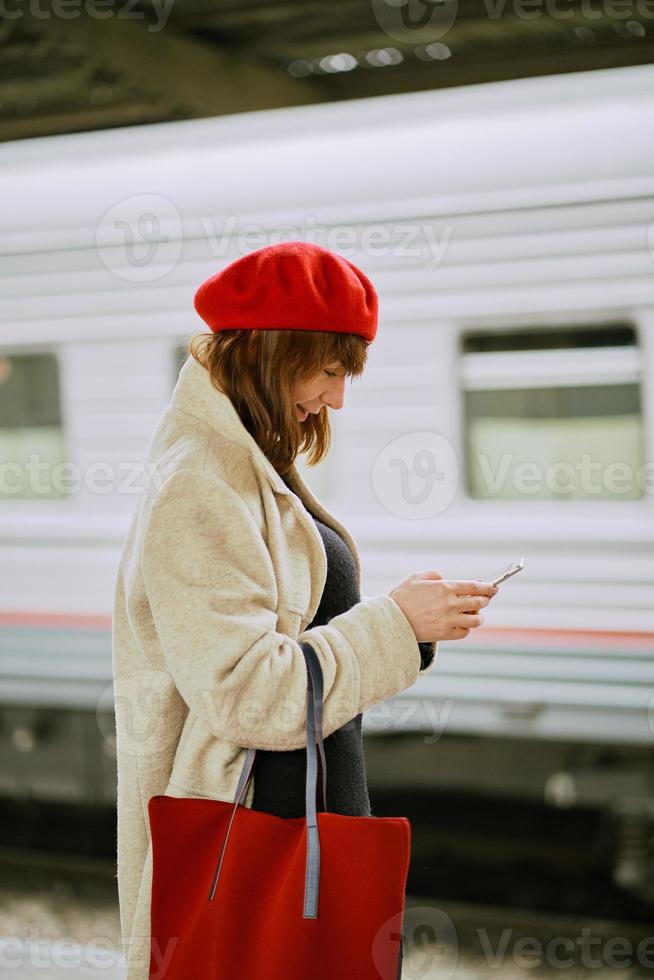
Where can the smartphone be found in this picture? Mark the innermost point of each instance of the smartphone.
(511, 569)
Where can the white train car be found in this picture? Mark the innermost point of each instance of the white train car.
(507, 408)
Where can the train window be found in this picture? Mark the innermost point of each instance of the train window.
(555, 338)
(30, 428)
(553, 414)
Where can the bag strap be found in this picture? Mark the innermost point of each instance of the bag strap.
(314, 732)
(314, 735)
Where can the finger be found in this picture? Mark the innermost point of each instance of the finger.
(471, 603)
(469, 587)
(470, 620)
(432, 573)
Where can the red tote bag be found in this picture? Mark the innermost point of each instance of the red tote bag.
(239, 894)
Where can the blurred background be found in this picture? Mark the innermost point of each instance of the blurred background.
(491, 167)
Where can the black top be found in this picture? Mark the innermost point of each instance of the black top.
(279, 776)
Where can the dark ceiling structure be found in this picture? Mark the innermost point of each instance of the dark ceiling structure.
(75, 65)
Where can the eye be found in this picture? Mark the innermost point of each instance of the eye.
(332, 374)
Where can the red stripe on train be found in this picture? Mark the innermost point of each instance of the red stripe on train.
(74, 620)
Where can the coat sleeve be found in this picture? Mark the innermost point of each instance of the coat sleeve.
(428, 653)
(212, 593)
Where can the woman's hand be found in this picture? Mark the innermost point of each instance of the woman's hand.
(442, 609)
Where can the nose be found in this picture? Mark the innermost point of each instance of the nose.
(335, 395)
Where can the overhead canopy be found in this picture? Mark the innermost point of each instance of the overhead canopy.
(79, 65)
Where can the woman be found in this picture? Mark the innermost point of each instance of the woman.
(225, 568)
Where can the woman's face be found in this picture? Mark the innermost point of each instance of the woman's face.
(325, 388)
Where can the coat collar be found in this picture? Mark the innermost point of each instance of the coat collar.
(195, 395)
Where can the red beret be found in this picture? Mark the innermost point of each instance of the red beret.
(290, 286)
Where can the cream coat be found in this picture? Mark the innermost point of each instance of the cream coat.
(221, 571)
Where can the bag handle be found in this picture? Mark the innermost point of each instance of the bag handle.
(314, 735)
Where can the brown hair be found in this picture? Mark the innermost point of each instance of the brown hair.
(257, 369)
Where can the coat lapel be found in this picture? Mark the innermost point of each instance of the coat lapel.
(195, 394)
